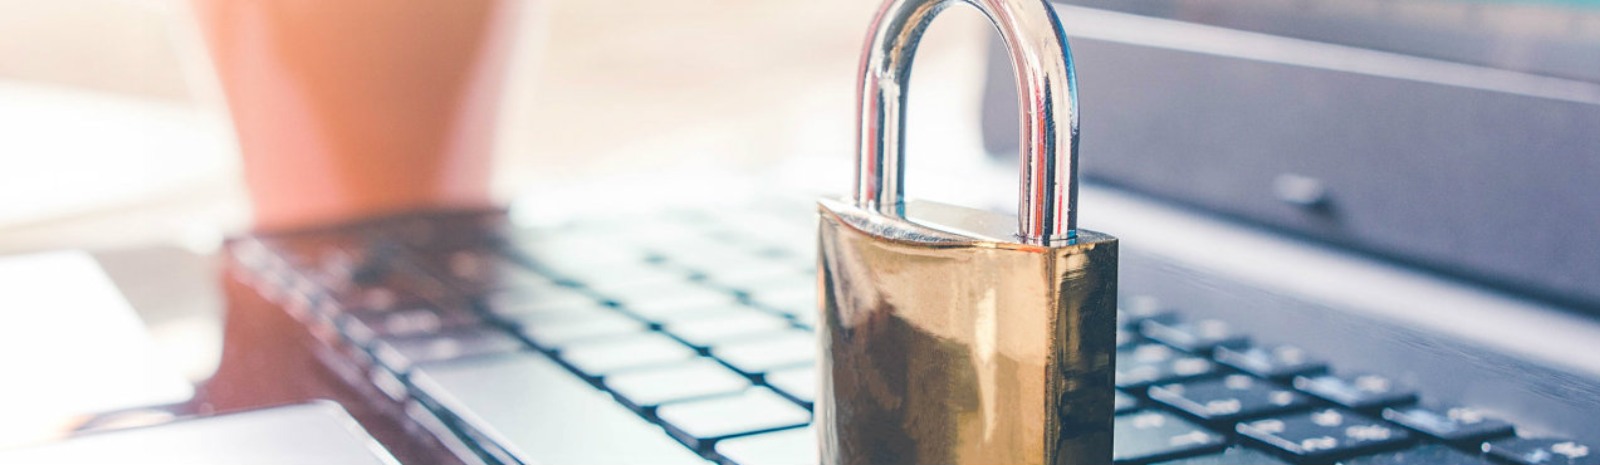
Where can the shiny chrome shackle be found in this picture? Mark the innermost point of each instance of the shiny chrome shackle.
(1042, 62)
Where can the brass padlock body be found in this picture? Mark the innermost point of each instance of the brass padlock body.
(946, 341)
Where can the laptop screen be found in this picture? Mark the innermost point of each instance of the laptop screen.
(1457, 136)
(1548, 37)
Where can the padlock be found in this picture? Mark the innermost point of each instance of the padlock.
(948, 335)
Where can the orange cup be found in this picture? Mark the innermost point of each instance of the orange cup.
(354, 108)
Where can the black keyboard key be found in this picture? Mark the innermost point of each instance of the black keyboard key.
(1232, 456)
(1458, 425)
(1229, 399)
(545, 414)
(1542, 451)
(699, 378)
(1143, 365)
(1125, 402)
(598, 357)
(699, 422)
(1151, 435)
(1197, 336)
(401, 353)
(1323, 435)
(1280, 362)
(1432, 454)
(1359, 392)
(788, 447)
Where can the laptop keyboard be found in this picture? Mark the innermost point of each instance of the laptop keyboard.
(688, 337)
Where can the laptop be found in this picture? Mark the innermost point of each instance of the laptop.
(1278, 303)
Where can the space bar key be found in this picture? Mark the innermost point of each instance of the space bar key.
(542, 413)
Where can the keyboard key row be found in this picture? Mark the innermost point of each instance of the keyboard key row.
(727, 325)
(1199, 337)
(1232, 456)
(1324, 434)
(544, 414)
(1278, 363)
(1431, 454)
(1229, 399)
(701, 422)
(788, 447)
(600, 357)
(1144, 365)
(1457, 425)
(642, 327)
(544, 299)
(362, 328)
(556, 332)
(698, 378)
(399, 354)
(1542, 451)
(663, 301)
(1364, 391)
(1147, 436)
(611, 346)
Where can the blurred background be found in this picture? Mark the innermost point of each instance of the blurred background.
(115, 135)
(1414, 135)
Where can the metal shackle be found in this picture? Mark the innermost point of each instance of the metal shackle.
(1042, 63)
